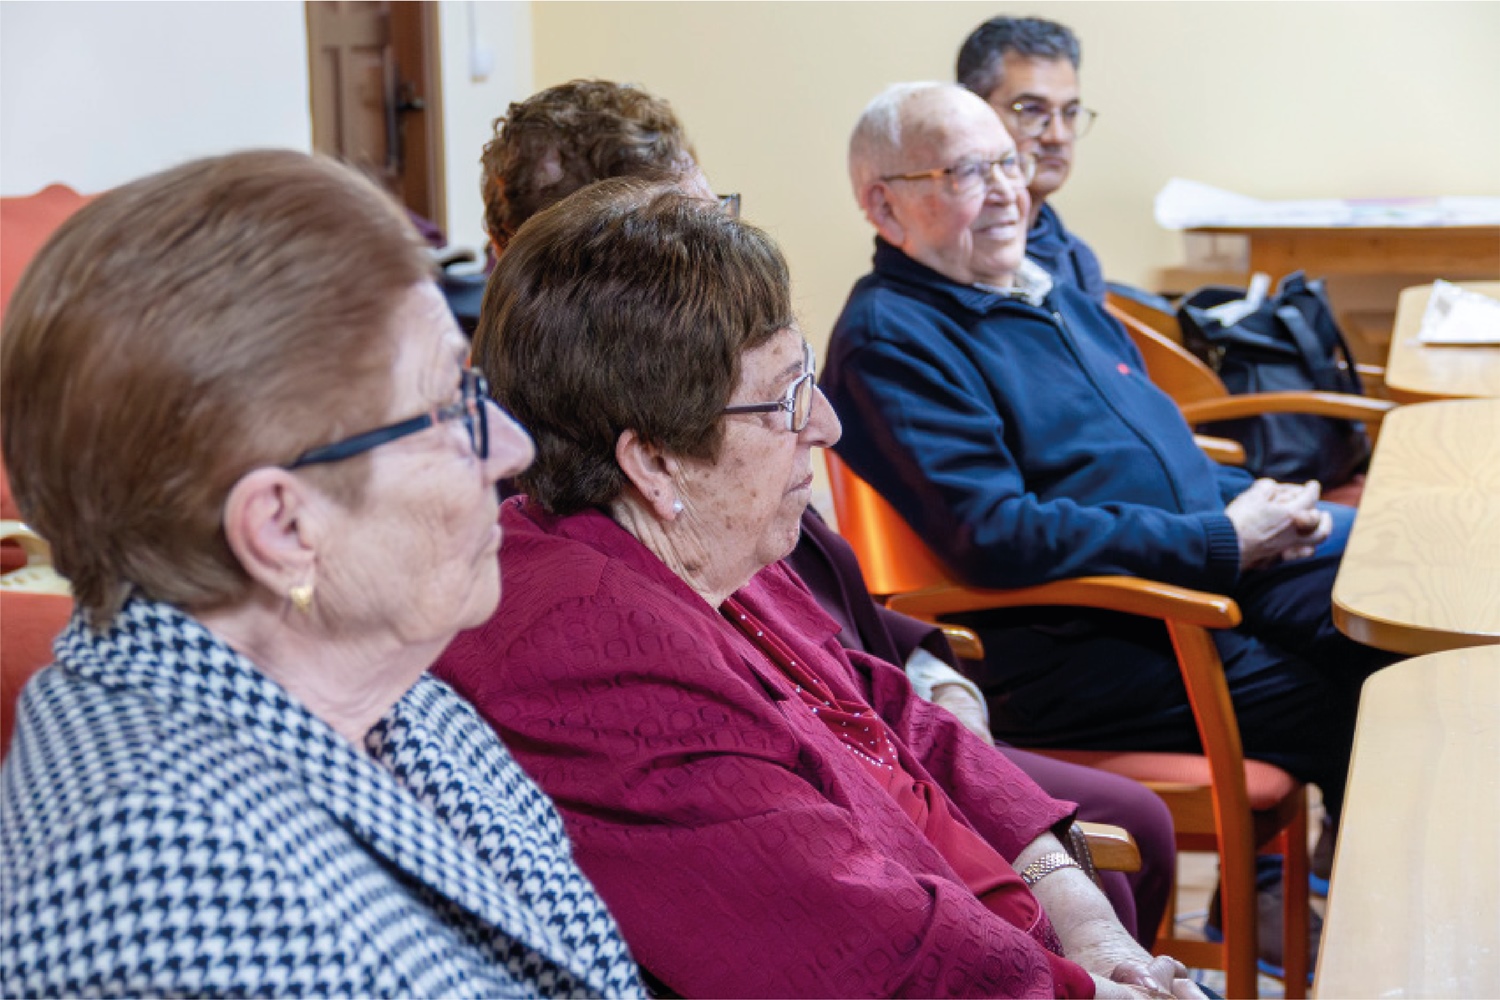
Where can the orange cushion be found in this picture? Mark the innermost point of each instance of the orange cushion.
(28, 624)
(25, 224)
(8, 509)
(1347, 494)
(1268, 784)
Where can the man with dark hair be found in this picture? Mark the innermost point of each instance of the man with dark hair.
(1026, 68)
(565, 137)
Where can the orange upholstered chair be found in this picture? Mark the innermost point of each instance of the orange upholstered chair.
(1219, 801)
(34, 607)
(34, 601)
(25, 224)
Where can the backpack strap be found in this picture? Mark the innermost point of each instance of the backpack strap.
(1322, 359)
(1319, 363)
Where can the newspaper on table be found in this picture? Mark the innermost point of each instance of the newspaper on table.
(1185, 204)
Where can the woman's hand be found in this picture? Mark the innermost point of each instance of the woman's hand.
(1092, 936)
(1162, 977)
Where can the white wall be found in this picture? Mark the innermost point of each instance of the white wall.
(95, 94)
(471, 105)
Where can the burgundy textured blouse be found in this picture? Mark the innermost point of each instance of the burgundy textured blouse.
(742, 847)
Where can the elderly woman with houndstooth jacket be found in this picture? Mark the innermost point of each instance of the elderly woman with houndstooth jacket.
(237, 406)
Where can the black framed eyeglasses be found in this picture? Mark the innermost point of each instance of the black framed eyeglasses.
(969, 176)
(798, 401)
(475, 392)
(1032, 118)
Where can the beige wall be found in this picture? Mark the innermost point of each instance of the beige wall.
(1275, 100)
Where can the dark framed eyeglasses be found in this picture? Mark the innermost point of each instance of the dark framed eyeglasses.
(798, 401)
(968, 176)
(1032, 118)
(475, 392)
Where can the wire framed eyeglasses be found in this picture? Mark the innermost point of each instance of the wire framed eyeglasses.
(1032, 118)
(798, 401)
(968, 176)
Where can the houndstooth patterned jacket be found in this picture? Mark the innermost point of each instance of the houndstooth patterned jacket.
(173, 823)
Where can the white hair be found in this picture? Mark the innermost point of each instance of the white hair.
(875, 143)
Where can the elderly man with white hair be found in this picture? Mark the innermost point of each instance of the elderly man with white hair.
(1011, 423)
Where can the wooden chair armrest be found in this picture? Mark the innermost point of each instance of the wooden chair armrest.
(1374, 372)
(965, 642)
(1111, 593)
(1221, 450)
(1323, 404)
(1113, 848)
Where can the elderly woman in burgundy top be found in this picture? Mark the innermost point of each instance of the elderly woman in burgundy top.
(764, 812)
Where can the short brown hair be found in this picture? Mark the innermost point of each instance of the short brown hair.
(626, 306)
(594, 128)
(180, 331)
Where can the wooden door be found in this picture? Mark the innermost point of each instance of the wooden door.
(375, 97)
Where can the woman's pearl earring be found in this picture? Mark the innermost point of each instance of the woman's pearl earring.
(678, 506)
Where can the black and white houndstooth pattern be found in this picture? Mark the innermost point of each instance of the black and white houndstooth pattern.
(173, 823)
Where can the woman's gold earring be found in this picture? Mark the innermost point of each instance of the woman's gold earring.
(302, 597)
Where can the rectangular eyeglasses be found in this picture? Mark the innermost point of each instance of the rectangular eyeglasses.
(798, 401)
(475, 392)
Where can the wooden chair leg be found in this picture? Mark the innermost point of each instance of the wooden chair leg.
(1294, 906)
(1238, 910)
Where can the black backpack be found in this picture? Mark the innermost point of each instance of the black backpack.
(1290, 343)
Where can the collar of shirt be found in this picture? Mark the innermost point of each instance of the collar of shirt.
(1032, 284)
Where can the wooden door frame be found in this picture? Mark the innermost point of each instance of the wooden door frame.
(416, 51)
(415, 38)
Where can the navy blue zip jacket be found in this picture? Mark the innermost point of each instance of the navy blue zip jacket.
(1067, 258)
(1023, 443)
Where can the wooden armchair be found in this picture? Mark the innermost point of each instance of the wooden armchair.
(1219, 801)
(1203, 398)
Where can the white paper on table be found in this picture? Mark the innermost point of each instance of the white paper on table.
(1456, 315)
(1184, 204)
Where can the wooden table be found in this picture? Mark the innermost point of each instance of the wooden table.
(1422, 569)
(1414, 909)
(1449, 252)
(1416, 372)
